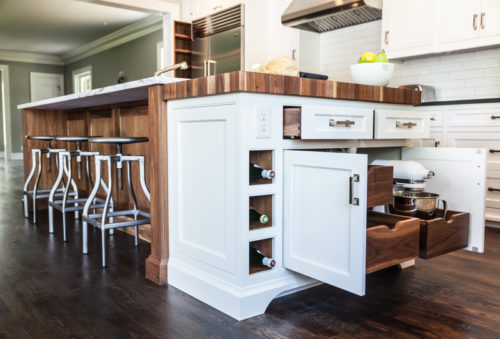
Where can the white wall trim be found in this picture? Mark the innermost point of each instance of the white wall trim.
(136, 30)
(151, 6)
(16, 156)
(33, 58)
(78, 71)
(5, 93)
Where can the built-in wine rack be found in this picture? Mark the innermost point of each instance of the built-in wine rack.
(266, 247)
(265, 160)
(264, 205)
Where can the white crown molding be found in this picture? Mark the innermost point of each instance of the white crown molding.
(136, 30)
(33, 58)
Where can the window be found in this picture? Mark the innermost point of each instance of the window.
(160, 55)
(82, 79)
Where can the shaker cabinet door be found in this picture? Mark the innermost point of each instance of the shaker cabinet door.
(325, 217)
(460, 179)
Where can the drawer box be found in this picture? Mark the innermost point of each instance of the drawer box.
(390, 240)
(439, 236)
(328, 122)
(379, 188)
(395, 124)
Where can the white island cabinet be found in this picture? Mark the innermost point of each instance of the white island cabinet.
(317, 202)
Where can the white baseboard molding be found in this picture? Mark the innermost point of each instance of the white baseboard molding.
(16, 156)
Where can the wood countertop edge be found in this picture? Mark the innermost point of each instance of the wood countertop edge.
(253, 82)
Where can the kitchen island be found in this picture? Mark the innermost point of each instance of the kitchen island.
(204, 132)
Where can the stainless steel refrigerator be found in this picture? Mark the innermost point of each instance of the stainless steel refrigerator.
(218, 43)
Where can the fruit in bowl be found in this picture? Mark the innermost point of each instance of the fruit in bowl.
(371, 69)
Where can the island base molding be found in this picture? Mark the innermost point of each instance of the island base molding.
(156, 270)
(238, 302)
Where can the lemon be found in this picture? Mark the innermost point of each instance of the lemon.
(368, 57)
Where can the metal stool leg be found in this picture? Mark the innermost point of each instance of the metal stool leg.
(88, 203)
(134, 201)
(106, 209)
(35, 188)
(52, 195)
(27, 182)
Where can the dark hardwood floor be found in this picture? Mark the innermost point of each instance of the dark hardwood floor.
(48, 289)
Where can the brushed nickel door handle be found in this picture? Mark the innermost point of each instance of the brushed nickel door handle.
(493, 117)
(482, 20)
(345, 123)
(492, 189)
(474, 23)
(352, 200)
(494, 150)
(405, 124)
(386, 37)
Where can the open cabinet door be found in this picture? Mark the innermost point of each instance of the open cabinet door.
(325, 217)
(460, 177)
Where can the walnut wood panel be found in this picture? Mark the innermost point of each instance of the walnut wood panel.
(156, 263)
(266, 247)
(291, 122)
(265, 160)
(241, 81)
(77, 125)
(264, 205)
(379, 188)
(439, 236)
(390, 240)
(182, 47)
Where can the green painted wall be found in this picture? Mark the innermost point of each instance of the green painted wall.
(137, 59)
(1, 118)
(19, 81)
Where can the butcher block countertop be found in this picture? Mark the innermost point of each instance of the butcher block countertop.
(241, 81)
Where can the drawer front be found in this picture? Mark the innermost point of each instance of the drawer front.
(474, 117)
(436, 118)
(390, 240)
(439, 236)
(492, 214)
(394, 124)
(489, 140)
(435, 140)
(336, 122)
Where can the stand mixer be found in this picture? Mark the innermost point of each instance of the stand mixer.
(409, 195)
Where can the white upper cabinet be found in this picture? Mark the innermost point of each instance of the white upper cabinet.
(411, 28)
(408, 27)
(468, 24)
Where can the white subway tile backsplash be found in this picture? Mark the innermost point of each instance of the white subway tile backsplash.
(466, 75)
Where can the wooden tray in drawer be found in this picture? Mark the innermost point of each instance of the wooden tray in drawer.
(390, 240)
(379, 190)
(439, 236)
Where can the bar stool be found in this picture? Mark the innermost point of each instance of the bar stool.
(37, 193)
(99, 219)
(65, 158)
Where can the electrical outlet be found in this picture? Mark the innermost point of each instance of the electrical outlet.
(263, 121)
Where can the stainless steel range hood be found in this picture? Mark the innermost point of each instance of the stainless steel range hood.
(327, 15)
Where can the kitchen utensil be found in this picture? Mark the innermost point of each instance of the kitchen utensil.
(372, 73)
(428, 92)
(422, 205)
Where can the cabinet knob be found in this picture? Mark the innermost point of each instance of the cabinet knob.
(482, 20)
(474, 21)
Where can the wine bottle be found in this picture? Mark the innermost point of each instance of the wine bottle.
(257, 172)
(258, 259)
(255, 216)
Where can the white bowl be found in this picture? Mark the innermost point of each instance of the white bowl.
(373, 73)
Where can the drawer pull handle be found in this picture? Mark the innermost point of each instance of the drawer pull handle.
(345, 123)
(437, 143)
(433, 119)
(352, 200)
(474, 21)
(492, 189)
(493, 117)
(494, 150)
(405, 124)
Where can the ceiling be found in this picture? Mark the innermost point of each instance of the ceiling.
(58, 26)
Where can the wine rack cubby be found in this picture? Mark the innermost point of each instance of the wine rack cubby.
(264, 205)
(266, 247)
(265, 160)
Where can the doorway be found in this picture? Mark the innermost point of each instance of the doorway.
(6, 145)
(46, 85)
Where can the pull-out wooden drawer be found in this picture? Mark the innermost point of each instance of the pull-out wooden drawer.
(439, 236)
(390, 240)
(328, 122)
(397, 124)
